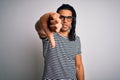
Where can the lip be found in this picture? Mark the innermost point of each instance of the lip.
(64, 25)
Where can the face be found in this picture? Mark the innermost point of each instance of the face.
(66, 18)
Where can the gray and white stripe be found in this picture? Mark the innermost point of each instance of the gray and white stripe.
(59, 61)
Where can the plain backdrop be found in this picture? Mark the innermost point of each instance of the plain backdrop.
(98, 25)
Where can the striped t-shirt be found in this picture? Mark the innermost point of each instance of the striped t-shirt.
(59, 62)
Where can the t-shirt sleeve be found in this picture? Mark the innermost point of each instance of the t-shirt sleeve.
(78, 45)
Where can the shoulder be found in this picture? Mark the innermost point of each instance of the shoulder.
(77, 37)
(55, 35)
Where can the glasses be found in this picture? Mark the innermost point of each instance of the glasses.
(68, 18)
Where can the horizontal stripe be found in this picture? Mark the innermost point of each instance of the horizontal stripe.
(59, 61)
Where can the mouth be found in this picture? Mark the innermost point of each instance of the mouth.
(64, 26)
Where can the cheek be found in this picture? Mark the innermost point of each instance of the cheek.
(69, 25)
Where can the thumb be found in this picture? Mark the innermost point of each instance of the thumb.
(51, 39)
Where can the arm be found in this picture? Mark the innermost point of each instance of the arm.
(79, 67)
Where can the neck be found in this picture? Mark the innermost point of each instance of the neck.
(64, 34)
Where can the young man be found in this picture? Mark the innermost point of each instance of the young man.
(61, 45)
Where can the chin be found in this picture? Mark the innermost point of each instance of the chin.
(64, 30)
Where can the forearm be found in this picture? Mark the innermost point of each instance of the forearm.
(80, 73)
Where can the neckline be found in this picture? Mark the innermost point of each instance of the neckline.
(62, 36)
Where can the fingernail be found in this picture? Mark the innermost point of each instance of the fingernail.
(53, 46)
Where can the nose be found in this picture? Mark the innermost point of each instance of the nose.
(65, 20)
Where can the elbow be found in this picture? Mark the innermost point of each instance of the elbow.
(78, 67)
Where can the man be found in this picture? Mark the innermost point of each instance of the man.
(61, 45)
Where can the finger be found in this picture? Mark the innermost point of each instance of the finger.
(58, 27)
(53, 22)
(53, 28)
(55, 15)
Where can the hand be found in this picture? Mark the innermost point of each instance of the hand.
(50, 23)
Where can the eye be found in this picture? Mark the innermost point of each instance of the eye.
(62, 17)
(68, 18)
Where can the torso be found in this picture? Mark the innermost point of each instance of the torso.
(59, 61)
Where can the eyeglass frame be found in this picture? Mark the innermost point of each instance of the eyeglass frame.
(68, 18)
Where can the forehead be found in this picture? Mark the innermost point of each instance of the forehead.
(65, 12)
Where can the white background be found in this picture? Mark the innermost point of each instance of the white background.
(98, 25)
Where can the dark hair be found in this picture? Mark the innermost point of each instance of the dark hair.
(72, 33)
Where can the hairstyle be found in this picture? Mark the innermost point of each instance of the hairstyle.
(72, 32)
